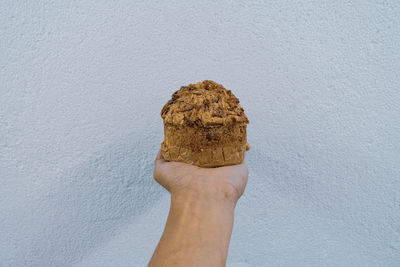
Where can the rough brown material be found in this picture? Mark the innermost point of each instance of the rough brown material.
(204, 125)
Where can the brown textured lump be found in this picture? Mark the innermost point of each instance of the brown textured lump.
(204, 104)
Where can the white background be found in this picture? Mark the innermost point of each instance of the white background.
(82, 84)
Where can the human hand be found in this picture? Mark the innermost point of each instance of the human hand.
(226, 183)
(200, 220)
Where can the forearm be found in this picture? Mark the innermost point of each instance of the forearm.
(197, 231)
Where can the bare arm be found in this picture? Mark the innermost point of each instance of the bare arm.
(200, 219)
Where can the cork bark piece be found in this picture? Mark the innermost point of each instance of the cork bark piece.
(204, 125)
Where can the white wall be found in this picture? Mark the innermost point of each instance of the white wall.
(81, 87)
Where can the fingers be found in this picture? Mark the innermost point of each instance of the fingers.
(159, 156)
(162, 171)
(157, 173)
(237, 175)
(238, 169)
(159, 159)
(245, 169)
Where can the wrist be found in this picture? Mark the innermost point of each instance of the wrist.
(199, 225)
(209, 191)
(200, 201)
(209, 208)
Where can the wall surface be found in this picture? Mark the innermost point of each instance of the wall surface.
(82, 84)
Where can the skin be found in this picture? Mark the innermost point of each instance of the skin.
(200, 220)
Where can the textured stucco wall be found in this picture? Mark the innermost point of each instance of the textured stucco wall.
(81, 87)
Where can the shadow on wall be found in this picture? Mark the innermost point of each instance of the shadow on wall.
(88, 204)
(274, 174)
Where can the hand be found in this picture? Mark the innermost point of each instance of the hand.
(227, 182)
(201, 214)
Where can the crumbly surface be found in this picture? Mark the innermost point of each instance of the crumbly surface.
(204, 104)
(204, 125)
